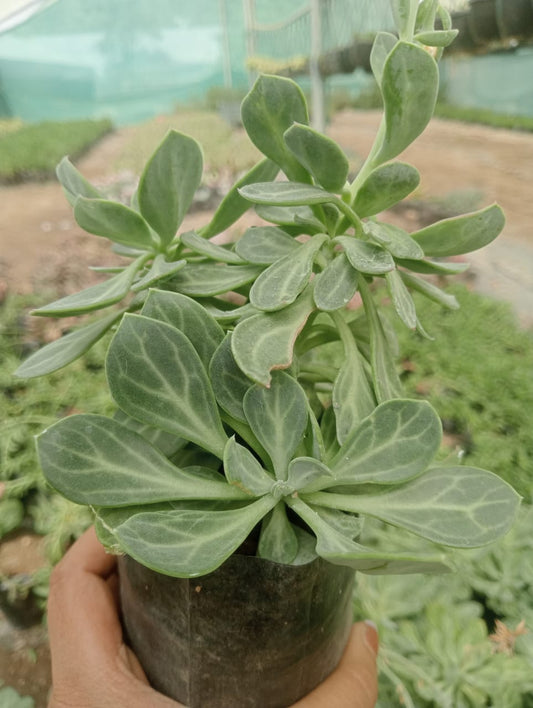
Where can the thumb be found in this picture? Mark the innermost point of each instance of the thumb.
(354, 682)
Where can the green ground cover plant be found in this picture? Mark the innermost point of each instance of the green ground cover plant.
(32, 151)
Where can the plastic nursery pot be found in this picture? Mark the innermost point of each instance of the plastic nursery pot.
(252, 634)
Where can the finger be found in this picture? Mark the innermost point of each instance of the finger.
(353, 684)
(82, 616)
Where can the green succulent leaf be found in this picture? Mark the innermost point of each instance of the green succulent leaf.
(387, 384)
(286, 194)
(189, 317)
(74, 183)
(428, 267)
(366, 257)
(156, 376)
(281, 283)
(383, 45)
(461, 234)
(463, 507)
(278, 541)
(184, 543)
(167, 443)
(160, 270)
(266, 341)
(63, 351)
(336, 285)
(244, 471)
(395, 240)
(425, 16)
(94, 460)
(401, 299)
(300, 218)
(432, 292)
(205, 279)
(278, 417)
(352, 396)
(114, 221)
(437, 38)
(228, 381)
(384, 187)
(336, 547)
(206, 248)
(233, 206)
(396, 442)
(269, 109)
(409, 85)
(265, 245)
(308, 474)
(404, 12)
(320, 155)
(96, 297)
(168, 183)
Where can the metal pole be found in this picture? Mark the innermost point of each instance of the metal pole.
(318, 113)
(226, 57)
(249, 25)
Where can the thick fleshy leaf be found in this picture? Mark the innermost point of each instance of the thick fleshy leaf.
(461, 234)
(299, 217)
(404, 12)
(396, 442)
(308, 474)
(209, 249)
(278, 541)
(269, 109)
(167, 443)
(409, 85)
(160, 270)
(156, 376)
(74, 183)
(338, 548)
(366, 257)
(168, 183)
(395, 240)
(386, 381)
(286, 194)
(385, 186)
(114, 221)
(94, 460)
(401, 299)
(281, 283)
(463, 507)
(425, 16)
(266, 341)
(205, 279)
(94, 298)
(185, 543)
(432, 292)
(189, 317)
(320, 155)
(278, 417)
(63, 351)
(233, 206)
(349, 525)
(265, 245)
(432, 267)
(224, 311)
(352, 397)
(383, 45)
(244, 471)
(437, 38)
(336, 285)
(228, 381)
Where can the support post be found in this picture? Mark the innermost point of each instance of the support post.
(249, 27)
(318, 113)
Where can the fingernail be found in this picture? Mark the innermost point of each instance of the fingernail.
(371, 636)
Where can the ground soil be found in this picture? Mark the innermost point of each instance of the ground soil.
(42, 247)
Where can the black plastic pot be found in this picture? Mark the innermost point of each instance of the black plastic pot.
(252, 634)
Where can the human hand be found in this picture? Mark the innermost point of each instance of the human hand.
(93, 668)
